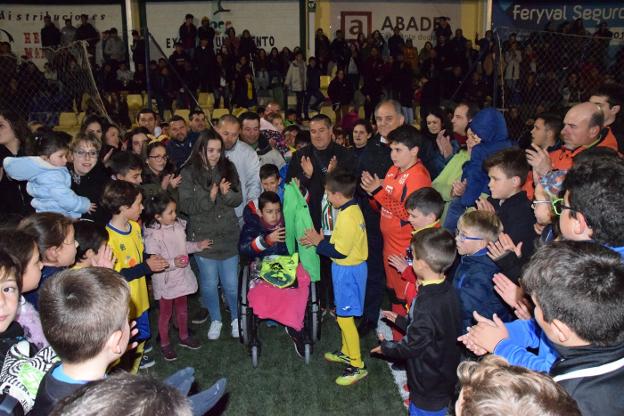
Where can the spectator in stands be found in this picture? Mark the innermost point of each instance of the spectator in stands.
(188, 34)
(203, 61)
(68, 33)
(245, 90)
(14, 141)
(340, 49)
(442, 28)
(396, 43)
(462, 115)
(247, 46)
(545, 133)
(222, 81)
(50, 35)
(610, 98)
(115, 47)
(124, 75)
(321, 44)
(372, 73)
(138, 49)
(231, 41)
(251, 134)
(296, 80)
(205, 31)
(87, 32)
(197, 121)
(340, 92)
(88, 175)
(181, 142)
(244, 158)
(313, 88)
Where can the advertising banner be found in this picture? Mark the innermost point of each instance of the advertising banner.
(271, 23)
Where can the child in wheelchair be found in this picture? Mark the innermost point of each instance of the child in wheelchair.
(278, 285)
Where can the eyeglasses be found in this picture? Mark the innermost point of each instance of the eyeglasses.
(159, 157)
(74, 243)
(84, 154)
(535, 203)
(463, 237)
(558, 206)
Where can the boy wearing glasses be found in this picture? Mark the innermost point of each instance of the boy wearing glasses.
(473, 276)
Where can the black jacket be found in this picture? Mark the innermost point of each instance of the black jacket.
(518, 220)
(91, 186)
(599, 393)
(316, 184)
(50, 392)
(430, 347)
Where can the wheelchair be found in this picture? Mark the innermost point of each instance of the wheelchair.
(249, 323)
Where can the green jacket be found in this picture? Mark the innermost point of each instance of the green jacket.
(297, 220)
(214, 220)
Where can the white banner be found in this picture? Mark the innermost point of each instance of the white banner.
(21, 24)
(271, 23)
(414, 18)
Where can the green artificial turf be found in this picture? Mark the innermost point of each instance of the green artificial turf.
(282, 384)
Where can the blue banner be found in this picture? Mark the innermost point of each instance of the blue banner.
(539, 15)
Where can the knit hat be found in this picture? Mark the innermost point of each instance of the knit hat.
(552, 182)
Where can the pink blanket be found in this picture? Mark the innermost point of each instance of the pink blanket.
(286, 306)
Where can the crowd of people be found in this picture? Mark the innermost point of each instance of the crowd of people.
(471, 239)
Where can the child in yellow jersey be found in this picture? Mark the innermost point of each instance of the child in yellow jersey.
(124, 201)
(348, 249)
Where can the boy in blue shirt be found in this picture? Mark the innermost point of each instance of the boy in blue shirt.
(348, 249)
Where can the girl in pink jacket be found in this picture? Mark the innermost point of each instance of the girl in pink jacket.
(165, 235)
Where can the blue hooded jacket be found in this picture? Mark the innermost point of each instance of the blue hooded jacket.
(489, 125)
(473, 281)
(49, 185)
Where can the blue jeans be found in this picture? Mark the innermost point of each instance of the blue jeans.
(211, 272)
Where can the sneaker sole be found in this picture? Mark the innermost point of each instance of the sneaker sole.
(355, 380)
(189, 346)
(198, 321)
(168, 359)
(146, 366)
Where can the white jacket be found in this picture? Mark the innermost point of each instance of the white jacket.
(247, 165)
(294, 80)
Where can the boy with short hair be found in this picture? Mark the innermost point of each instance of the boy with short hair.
(578, 291)
(425, 207)
(126, 166)
(473, 276)
(432, 326)
(124, 201)
(407, 175)
(348, 249)
(508, 170)
(266, 236)
(88, 345)
(270, 181)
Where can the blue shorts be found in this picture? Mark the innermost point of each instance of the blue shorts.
(349, 288)
(415, 411)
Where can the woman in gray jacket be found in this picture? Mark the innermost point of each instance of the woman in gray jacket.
(209, 192)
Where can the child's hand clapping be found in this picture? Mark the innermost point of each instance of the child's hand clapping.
(277, 236)
(311, 238)
(174, 181)
(104, 258)
(213, 192)
(204, 244)
(156, 263)
(224, 186)
(389, 316)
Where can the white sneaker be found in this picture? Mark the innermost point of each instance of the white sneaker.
(235, 333)
(215, 330)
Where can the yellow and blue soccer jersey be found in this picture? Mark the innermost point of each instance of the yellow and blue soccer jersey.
(127, 247)
(349, 236)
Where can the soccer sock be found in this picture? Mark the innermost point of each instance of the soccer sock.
(351, 339)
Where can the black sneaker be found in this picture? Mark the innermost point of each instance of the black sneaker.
(146, 362)
(200, 317)
(148, 346)
(297, 341)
